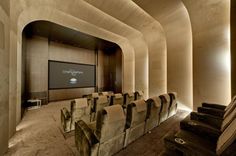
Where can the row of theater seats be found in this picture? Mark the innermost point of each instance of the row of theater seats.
(86, 108)
(116, 127)
(118, 98)
(209, 131)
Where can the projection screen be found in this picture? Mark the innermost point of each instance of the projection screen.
(64, 75)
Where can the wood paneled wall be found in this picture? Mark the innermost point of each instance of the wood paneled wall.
(39, 50)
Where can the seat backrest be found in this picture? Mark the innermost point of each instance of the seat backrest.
(153, 106)
(94, 95)
(80, 110)
(101, 102)
(173, 98)
(138, 95)
(110, 122)
(228, 119)
(117, 99)
(136, 113)
(104, 93)
(128, 98)
(226, 138)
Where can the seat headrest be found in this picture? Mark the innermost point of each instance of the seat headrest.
(130, 94)
(104, 93)
(157, 101)
(226, 138)
(81, 103)
(118, 95)
(140, 105)
(102, 99)
(114, 113)
(95, 95)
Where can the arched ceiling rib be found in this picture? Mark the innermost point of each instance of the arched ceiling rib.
(174, 18)
(131, 14)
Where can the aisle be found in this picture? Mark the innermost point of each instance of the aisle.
(38, 134)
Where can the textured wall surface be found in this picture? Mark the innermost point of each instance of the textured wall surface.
(210, 22)
(175, 21)
(4, 76)
(233, 46)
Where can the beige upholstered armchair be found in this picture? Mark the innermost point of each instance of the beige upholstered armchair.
(188, 143)
(153, 113)
(135, 120)
(79, 110)
(117, 99)
(108, 94)
(99, 103)
(108, 136)
(173, 104)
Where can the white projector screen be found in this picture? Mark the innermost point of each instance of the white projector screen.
(64, 75)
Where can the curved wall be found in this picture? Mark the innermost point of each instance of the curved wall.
(175, 21)
(4, 78)
(211, 50)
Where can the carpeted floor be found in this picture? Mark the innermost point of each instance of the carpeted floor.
(40, 134)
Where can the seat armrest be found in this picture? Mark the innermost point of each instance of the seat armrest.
(213, 105)
(214, 121)
(211, 111)
(84, 135)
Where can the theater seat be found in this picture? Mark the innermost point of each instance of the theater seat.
(128, 98)
(216, 122)
(217, 109)
(108, 137)
(207, 125)
(135, 120)
(79, 110)
(117, 99)
(165, 103)
(192, 145)
(99, 103)
(153, 113)
(173, 104)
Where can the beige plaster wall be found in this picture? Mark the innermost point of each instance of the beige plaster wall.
(4, 78)
(210, 22)
(233, 46)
